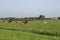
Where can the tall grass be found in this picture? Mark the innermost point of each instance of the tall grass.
(52, 26)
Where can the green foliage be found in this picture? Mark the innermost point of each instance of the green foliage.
(58, 18)
(42, 17)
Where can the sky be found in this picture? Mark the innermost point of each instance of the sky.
(29, 8)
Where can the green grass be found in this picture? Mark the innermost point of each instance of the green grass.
(52, 26)
(19, 35)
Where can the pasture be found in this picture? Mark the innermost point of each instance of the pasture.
(33, 30)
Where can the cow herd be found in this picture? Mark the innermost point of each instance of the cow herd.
(25, 21)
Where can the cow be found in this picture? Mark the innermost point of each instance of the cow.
(9, 21)
(25, 20)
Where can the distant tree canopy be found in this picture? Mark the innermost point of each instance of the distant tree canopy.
(20, 19)
(42, 17)
(58, 18)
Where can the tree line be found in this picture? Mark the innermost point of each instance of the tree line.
(40, 17)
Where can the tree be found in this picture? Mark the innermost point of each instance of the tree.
(58, 18)
(42, 17)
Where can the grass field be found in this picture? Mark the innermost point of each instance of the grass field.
(25, 30)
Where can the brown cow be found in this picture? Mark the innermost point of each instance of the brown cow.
(9, 21)
(25, 20)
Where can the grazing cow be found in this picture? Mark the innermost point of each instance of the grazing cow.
(25, 21)
(9, 21)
